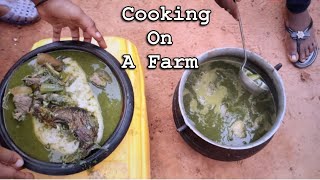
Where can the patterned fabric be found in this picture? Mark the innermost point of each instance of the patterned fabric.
(21, 12)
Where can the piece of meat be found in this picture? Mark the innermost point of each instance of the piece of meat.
(32, 81)
(44, 58)
(54, 99)
(22, 103)
(100, 78)
(19, 90)
(80, 123)
(43, 114)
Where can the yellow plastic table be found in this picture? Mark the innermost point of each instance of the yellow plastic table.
(131, 159)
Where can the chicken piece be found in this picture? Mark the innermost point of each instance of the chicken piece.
(21, 100)
(32, 81)
(22, 103)
(44, 58)
(100, 78)
(19, 90)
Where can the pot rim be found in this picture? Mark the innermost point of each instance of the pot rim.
(110, 144)
(253, 58)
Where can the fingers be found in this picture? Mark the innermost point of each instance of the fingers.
(75, 33)
(56, 33)
(230, 6)
(10, 158)
(87, 37)
(11, 173)
(233, 10)
(98, 37)
(90, 30)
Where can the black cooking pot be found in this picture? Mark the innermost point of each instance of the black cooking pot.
(210, 148)
(111, 143)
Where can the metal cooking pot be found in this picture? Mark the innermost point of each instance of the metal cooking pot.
(210, 148)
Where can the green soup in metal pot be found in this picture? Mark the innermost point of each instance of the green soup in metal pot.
(221, 109)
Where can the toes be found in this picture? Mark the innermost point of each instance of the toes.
(302, 54)
(311, 48)
(291, 45)
(293, 57)
(308, 52)
(315, 44)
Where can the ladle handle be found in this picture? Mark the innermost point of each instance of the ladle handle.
(242, 37)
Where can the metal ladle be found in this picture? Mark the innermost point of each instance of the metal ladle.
(249, 84)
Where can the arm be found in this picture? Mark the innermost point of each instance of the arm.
(63, 13)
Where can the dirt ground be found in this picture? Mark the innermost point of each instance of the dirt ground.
(293, 152)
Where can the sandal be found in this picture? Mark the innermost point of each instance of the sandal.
(298, 36)
(22, 12)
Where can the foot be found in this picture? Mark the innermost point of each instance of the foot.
(299, 22)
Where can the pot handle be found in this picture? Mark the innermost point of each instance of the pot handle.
(278, 66)
(182, 128)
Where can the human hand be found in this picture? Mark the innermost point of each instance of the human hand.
(230, 6)
(63, 13)
(11, 164)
